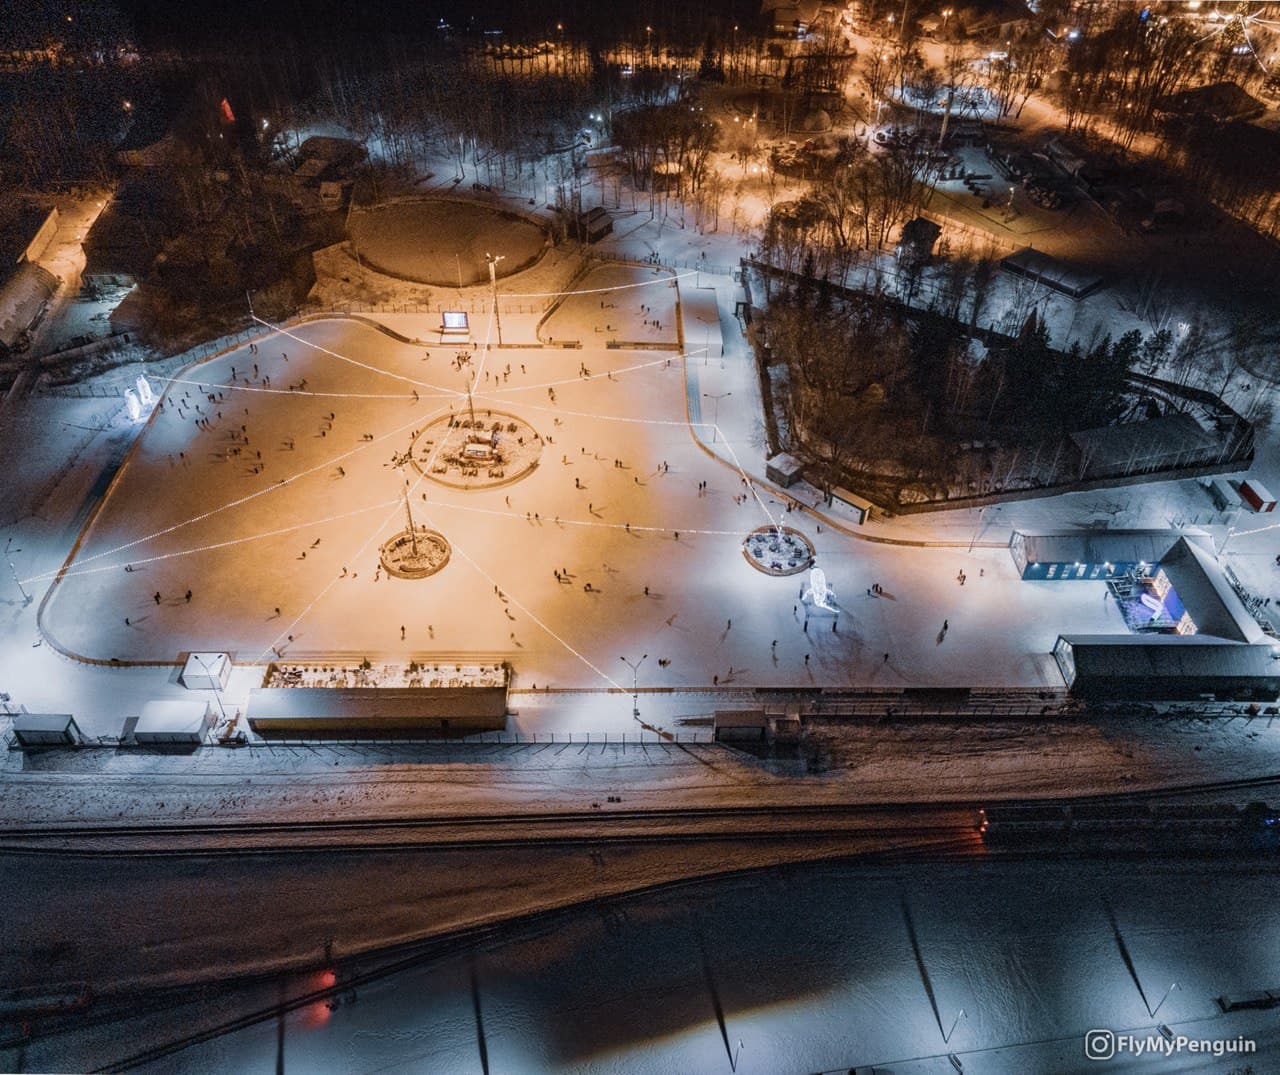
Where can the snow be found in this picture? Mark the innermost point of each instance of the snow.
(812, 968)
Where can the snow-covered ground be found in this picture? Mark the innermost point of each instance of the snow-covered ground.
(272, 514)
(182, 498)
(818, 968)
(571, 764)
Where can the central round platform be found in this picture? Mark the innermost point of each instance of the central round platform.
(443, 241)
(494, 448)
(778, 550)
(415, 554)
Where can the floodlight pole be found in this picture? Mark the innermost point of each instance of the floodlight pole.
(947, 1040)
(217, 690)
(715, 398)
(493, 287)
(635, 682)
(8, 559)
(1171, 988)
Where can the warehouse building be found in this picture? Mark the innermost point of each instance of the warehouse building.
(1090, 555)
(1167, 667)
(1192, 634)
(375, 712)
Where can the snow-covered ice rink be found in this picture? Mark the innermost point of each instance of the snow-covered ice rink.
(269, 504)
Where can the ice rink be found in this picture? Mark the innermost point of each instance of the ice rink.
(271, 513)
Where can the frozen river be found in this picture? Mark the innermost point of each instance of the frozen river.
(816, 969)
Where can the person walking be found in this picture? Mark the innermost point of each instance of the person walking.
(156, 597)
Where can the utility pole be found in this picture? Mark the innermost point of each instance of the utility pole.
(493, 287)
(8, 559)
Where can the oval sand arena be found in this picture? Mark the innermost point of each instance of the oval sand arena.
(443, 241)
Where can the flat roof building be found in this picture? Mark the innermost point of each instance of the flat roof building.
(1075, 555)
(374, 712)
(45, 729)
(1167, 667)
(1054, 273)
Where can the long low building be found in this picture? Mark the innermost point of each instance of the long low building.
(1062, 276)
(1167, 667)
(1084, 555)
(1193, 635)
(375, 712)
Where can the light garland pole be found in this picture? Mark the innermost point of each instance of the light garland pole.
(493, 288)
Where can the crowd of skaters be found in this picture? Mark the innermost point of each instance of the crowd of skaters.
(210, 410)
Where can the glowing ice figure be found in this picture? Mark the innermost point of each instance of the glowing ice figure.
(818, 593)
(145, 395)
(135, 408)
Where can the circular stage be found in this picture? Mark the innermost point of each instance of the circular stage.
(778, 550)
(494, 448)
(443, 241)
(415, 554)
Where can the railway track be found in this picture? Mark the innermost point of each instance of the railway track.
(606, 824)
(595, 827)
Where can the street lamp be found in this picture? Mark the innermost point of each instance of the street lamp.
(8, 559)
(1171, 988)
(635, 682)
(493, 285)
(715, 398)
(217, 690)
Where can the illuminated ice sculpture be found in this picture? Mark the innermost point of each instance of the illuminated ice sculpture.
(135, 408)
(818, 593)
(145, 395)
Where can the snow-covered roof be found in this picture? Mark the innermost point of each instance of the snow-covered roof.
(43, 722)
(1151, 444)
(21, 299)
(1154, 656)
(1105, 546)
(1207, 595)
(168, 716)
(1053, 272)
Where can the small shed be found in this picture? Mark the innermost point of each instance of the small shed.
(206, 671)
(595, 224)
(784, 470)
(785, 731)
(860, 507)
(915, 244)
(46, 730)
(1255, 494)
(173, 721)
(741, 725)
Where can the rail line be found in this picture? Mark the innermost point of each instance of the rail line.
(750, 823)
